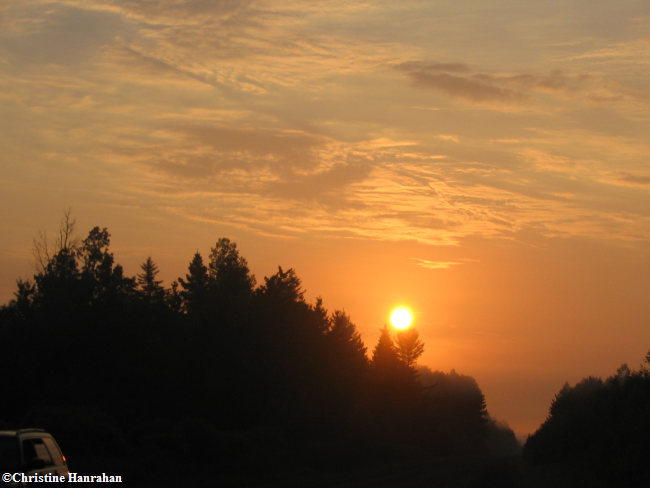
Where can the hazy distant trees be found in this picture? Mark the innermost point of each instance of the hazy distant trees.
(500, 440)
(455, 409)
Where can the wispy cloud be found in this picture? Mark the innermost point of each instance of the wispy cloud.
(428, 264)
(632, 51)
(459, 81)
(635, 179)
(443, 77)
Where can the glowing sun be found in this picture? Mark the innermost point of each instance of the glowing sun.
(401, 318)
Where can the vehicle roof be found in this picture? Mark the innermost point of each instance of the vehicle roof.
(22, 431)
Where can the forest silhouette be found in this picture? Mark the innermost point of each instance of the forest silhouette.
(220, 378)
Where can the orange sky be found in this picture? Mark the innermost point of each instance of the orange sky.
(486, 163)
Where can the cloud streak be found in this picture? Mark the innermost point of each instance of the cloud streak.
(428, 264)
(459, 81)
(442, 77)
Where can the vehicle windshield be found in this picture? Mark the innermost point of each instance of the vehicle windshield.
(9, 456)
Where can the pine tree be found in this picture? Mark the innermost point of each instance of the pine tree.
(149, 286)
(346, 337)
(409, 346)
(384, 356)
(284, 287)
(194, 293)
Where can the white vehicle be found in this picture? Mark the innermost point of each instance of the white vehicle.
(30, 452)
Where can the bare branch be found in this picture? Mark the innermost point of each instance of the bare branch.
(43, 252)
(67, 239)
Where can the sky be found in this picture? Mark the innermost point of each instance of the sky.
(486, 163)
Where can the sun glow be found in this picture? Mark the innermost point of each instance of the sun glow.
(401, 318)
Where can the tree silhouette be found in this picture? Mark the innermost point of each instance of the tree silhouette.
(66, 239)
(60, 272)
(24, 298)
(59, 291)
(409, 347)
(150, 287)
(283, 287)
(264, 377)
(320, 317)
(348, 362)
(195, 289)
(454, 411)
(597, 431)
(395, 391)
(97, 261)
(228, 270)
(384, 355)
(230, 284)
(346, 338)
(104, 280)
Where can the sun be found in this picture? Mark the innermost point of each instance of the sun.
(401, 318)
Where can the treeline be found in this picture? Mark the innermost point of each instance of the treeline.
(217, 371)
(597, 432)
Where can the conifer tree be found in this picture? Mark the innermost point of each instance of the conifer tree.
(194, 293)
(409, 346)
(384, 356)
(284, 287)
(149, 285)
(346, 337)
